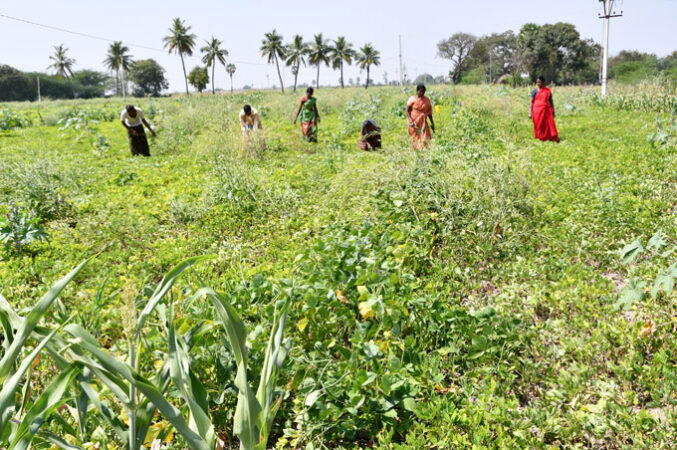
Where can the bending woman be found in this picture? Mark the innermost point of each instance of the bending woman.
(310, 117)
(419, 110)
(543, 112)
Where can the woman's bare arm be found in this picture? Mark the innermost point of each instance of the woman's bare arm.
(299, 111)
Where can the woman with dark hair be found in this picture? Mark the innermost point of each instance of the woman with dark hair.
(419, 110)
(370, 138)
(543, 112)
(133, 120)
(310, 117)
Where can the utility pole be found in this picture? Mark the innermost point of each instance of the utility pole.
(611, 9)
(39, 97)
(401, 75)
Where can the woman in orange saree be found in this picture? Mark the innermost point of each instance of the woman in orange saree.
(419, 110)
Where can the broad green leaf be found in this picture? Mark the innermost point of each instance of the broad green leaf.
(32, 319)
(50, 399)
(631, 251)
(632, 293)
(665, 280)
(164, 287)
(11, 384)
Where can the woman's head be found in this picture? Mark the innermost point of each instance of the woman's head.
(247, 110)
(420, 90)
(540, 81)
(131, 110)
(309, 92)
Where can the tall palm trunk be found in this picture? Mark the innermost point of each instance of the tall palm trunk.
(118, 86)
(123, 85)
(342, 86)
(296, 77)
(213, 68)
(366, 86)
(70, 83)
(231, 84)
(279, 74)
(317, 80)
(185, 77)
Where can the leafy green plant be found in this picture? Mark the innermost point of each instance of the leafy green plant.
(10, 120)
(19, 228)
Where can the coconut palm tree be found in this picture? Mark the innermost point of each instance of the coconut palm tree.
(296, 55)
(180, 41)
(230, 68)
(62, 65)
(213, 53)
(368, 56)
(342, 53)
(319, 54)
(273, 48)
(118, 59)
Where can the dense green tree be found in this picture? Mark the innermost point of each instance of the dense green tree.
(296, 55)
(497, 55)
(341, 53)
(213, 53)
(199, 78)
(557, 52)
(16, 86)
(118, 60)
(180, 41)
(90, 83)
(62, 65)
(366, 57)
(230, 68)
(457, 49)
(319, 53)
(273, 48)
(148, 78)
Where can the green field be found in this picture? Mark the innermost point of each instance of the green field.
(488, 292)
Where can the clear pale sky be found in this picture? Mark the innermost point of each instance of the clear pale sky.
(648, 25)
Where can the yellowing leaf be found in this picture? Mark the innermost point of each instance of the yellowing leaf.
(342, 298)
(365, 310)
(157, 364)
(648, 329)
(303, 323)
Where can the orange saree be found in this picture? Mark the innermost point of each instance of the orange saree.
(421, 108)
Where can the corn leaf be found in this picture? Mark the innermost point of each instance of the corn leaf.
(31, 321)
(50, 399)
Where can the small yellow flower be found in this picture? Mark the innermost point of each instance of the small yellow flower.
(438, 109)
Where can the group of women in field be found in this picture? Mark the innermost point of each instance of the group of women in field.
(419, 112)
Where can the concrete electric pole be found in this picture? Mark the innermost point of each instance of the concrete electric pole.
(611, 9)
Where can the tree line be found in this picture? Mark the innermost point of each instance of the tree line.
(556, 51)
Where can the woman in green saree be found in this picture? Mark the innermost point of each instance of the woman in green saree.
(310, 117)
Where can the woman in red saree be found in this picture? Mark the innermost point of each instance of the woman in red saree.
(543, 112)
(419, 110)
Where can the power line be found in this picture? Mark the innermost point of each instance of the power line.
(99, 38)
(77, 33)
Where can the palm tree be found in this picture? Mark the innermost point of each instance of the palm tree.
(342, 52)
(63, 65)
(319, 54)
(118, 59)
(230, 68)
(368, 56)
(296, 52)
(212, 53)
(273, 48)
(181, 42)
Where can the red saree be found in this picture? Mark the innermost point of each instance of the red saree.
(421, 108)
(543, 116)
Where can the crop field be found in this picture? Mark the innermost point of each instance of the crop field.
(491, 291)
